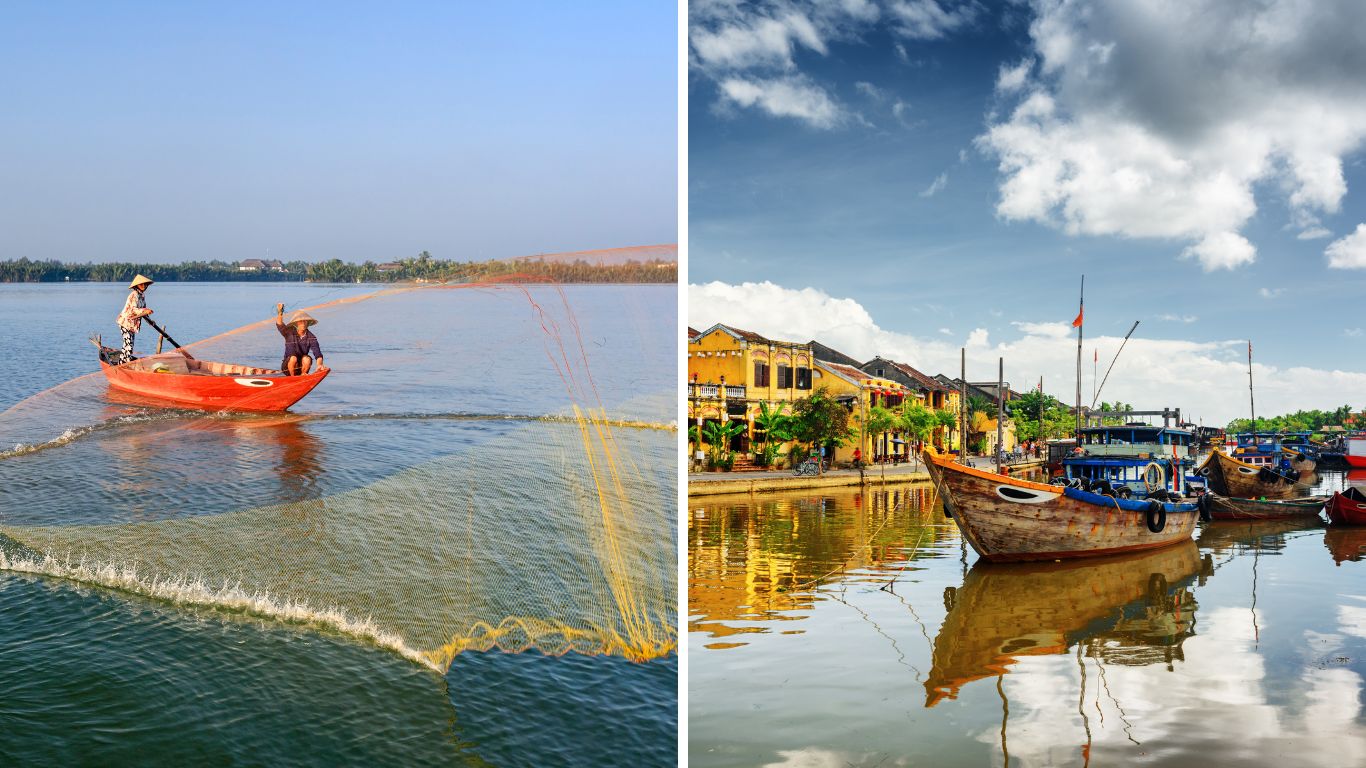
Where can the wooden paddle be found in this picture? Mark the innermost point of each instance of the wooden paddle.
(167, 336)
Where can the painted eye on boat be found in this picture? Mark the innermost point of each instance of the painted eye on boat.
(1247, 471)
(254, 382)
(1010, 493)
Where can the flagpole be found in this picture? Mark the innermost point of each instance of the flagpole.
(1081, 312)
(1251, 400)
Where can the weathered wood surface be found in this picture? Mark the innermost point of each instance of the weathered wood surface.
(1007, 610)
(1047, 522)
(1230, 508)
(1227, 476)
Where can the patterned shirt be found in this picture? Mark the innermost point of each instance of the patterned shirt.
(134, 309)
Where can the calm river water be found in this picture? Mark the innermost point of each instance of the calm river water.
(855, 629)
(435, 396)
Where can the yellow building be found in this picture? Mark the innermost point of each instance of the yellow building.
(731, 371)
(860, 392)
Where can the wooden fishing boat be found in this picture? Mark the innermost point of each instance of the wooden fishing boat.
(1131, 609)
(1347, 507)
(1231, 508)
(173, 378)
(1228, 476)
(1006, 519)
(1356, 451)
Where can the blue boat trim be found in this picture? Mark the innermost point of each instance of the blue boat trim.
(1131, 505)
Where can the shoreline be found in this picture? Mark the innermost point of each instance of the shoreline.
(752, 483)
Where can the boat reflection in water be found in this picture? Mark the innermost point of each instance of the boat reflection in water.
(1231, 536)
(1345, 542)
(1132, 609)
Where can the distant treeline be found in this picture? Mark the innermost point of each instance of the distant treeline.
(1299, 421)
(423, 266)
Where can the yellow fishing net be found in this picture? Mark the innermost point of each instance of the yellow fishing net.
(486, 472)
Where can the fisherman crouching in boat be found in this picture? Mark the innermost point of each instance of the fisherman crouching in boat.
(134, 309)
(301, 346)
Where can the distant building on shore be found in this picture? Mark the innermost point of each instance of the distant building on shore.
(258, 265)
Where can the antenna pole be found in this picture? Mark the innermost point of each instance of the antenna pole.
(1112, 363)
(1081, 311)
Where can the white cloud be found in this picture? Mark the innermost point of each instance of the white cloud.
(1314, 233)
(940, 181)
(785, 97)
(1349, 252)
(1178, 318)
(1158, 120)
(1270, 293)
(744, 48)
(946, 331)
(1191, 374)
(1352, 333)
(929, 20)
(1012, 79)
(1221, 250)
(870, 90)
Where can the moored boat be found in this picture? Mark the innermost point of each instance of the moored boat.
(1355, 453)
(1347, 507)
(176, 379)
(1133, 459)
(1232, 508)
(1010, 520)
(1228, 476)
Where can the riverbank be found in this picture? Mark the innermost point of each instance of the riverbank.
(716, 483)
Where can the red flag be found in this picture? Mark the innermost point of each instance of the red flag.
(1077, 323)
(1095, 355)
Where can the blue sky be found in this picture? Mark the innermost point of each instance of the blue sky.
(169, 131)
(950, 169)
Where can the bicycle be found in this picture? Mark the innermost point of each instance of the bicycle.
(808, 467)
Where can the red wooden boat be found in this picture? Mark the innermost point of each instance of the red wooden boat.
(176, 379)
(1010, 520)
(1347, 508)
(1356, 450)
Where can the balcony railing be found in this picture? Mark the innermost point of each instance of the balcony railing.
(713, 391)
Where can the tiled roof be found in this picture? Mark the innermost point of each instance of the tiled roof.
(693, 332)
(927, 381)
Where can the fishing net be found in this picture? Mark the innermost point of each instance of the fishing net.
(488, 466)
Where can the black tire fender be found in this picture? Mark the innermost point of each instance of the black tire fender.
(1156, 516)
(1204, 504)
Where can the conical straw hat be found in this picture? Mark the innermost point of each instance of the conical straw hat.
(139, 280)
(302, 315)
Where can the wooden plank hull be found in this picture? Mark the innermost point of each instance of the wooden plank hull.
(1227, 476)
(250, 391)
(1229, 508)
(1005, 611)
(1009, 520)
(1345, 510)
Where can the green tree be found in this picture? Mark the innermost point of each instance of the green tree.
(718, 435)
(879, 421)
(820, 420)
(772, 428)
(918, 422)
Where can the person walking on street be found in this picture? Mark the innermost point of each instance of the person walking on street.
(134, 309)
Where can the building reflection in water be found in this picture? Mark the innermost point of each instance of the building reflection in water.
(753, 562)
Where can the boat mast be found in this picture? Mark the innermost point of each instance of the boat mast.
(1000, 408)
(1081, 310)
(1251, 400)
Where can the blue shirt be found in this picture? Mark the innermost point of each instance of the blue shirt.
(298, 346)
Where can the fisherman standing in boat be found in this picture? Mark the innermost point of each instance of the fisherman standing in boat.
(301, 346)
(134, 309)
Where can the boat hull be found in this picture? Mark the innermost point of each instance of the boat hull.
(1228, 508)
(1344, 510)
(1009, 520)
(254, 390)
(1227, 476)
